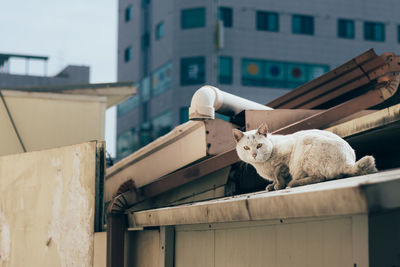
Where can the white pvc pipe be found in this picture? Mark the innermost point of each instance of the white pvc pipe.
(209, 99)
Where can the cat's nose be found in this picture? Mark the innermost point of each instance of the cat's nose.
(254, 155)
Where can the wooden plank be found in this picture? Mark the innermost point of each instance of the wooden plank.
(322, 119)
(284, 101)
(189, 174)
(369, 122)
(277, 118)
(171, 152)
(219, 136)
(200, 189)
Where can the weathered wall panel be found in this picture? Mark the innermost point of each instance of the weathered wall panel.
(47, 206)
(47, 120)
(143, 248)
(322, 242)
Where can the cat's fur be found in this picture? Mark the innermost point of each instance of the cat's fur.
(301, 158)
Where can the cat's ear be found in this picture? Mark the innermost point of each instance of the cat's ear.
(237, 134)
(263, 129)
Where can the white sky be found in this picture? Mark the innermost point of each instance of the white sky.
(70, 32)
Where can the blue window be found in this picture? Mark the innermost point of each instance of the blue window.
(267, 73)
(398, 33)
(225, 14)
(225, 70)
(267, 21)
(193, 70)
(346, 28)
(302, 24)
(193, 18)
(145, 41)
(374, 31)
(159, 30)
(128, 54)
(128, 13)
(127, 143)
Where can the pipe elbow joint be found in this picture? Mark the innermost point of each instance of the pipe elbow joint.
(204, 102)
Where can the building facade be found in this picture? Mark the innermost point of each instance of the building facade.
(257, 49)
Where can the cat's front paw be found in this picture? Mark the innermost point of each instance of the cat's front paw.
(270, 187)
(279, 186)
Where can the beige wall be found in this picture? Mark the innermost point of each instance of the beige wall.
(47, 120)
(340, 241)
(47, 207)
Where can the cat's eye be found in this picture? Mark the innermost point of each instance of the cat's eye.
(259, 145)
(246, 148)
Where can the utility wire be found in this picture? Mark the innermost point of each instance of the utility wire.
(12, 121)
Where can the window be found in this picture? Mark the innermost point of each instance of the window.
(128, 54)
(267, 21)
(159, 30)
(128, 105)
(145, 41)
(127, 143)
(192, 70)
(267, 73)
(398, 33)
(346, 28)
(225, 70)
(161, 79)
(302, 24)
(225, 14)
(162, 124)
(374, 31)
(128, 13)
(193, 18)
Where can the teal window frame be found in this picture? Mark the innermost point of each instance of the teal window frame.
(128, 54)
(398, 33)
(225, 70)
(159, 32)
(346, 28)
(193, 18)
(374, 31)
(267, 21)
(184, 70)
(226, 15)
(128, 13)
(278, 74)
(303, 24)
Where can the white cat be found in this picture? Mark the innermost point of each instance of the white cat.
(301, 158)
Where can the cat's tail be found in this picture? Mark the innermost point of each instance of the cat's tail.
(365, 165)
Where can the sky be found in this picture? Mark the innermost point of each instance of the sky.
(69, 32)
